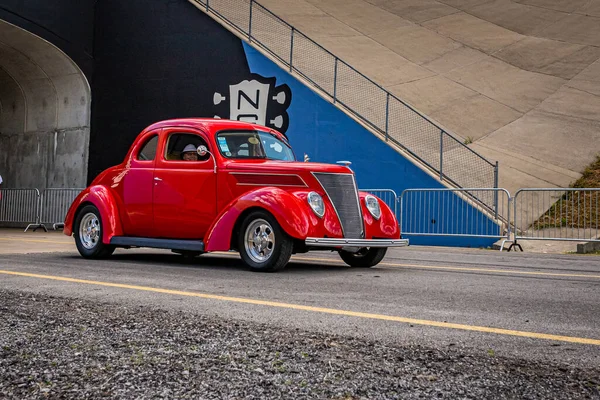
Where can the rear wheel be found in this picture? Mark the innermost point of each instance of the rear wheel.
(262, 244)
(366, 257)
(88, 234)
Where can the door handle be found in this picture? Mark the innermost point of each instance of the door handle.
(157, 179)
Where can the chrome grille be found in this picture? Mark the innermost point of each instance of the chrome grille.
(341, 190)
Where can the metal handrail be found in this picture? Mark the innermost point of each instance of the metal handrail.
(459, 179)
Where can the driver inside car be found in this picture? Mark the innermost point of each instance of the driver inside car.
(254, 147)
(189, 153)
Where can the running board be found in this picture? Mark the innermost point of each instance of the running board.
(172, 244)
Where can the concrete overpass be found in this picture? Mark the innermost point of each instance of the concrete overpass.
(45, 97)
(45, 113)
(520, 79)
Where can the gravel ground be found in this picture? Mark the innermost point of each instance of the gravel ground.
(53, 347)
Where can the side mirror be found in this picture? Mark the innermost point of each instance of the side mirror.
(202, 150)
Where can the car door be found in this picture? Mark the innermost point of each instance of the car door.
(136, 188)
(184, 195)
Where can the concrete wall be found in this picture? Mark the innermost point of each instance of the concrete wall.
(154, 60)
(12, 112)
(45, 114)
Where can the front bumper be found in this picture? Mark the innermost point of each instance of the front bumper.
(335, 242)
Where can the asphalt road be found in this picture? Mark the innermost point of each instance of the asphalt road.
(487, 301)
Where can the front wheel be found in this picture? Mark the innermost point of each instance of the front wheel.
(88, 234)
(366, 257)
(263, 245)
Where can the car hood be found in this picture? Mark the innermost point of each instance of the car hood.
(264, 166)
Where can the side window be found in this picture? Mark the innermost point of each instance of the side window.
(148, 151)
(182, 147)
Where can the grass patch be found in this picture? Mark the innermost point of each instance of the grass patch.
(576, 209)
(590, 177)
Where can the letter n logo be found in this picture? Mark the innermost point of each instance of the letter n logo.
(249, 102)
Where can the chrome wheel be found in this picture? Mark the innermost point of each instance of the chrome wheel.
(260, 240)
(89, 231)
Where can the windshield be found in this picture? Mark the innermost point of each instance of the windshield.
(254, 145)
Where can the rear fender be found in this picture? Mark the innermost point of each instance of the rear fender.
(289, 211)
(105, 202)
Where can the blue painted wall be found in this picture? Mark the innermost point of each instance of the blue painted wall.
(326, 134)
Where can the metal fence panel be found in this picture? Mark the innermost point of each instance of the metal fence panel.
(55, 203)
(452, 212)
(20, 207)
(557, 214)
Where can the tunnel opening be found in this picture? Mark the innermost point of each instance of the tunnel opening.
(45, 110)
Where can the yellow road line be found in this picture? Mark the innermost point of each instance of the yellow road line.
(499, 331)
(34, 241)
(395, 265)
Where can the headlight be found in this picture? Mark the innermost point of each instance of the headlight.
(316, 203)
(373, 206)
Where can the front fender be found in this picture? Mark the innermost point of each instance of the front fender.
(289, 211)
(103, 199)
(384, 228)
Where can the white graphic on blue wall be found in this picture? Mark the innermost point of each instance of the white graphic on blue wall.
(257, 100)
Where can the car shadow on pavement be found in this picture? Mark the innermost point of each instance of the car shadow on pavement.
(207, 262)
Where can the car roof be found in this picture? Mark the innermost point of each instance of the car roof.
(209, 125)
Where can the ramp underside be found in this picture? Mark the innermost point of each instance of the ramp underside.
(519, 80)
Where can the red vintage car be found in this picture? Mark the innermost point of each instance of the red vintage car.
(204, 185)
